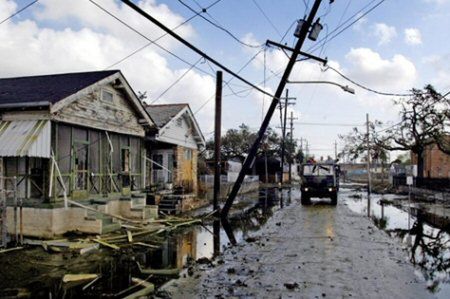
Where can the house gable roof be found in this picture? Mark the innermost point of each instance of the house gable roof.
(59, 90)
(164, 114)
(46, 88)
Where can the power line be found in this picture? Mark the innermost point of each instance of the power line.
(160, 37)
(207, 13)
(189, 45)
(220, 27)
(267, 18)
(328, 124)
(176, 81)
(19, 11)
(228, 82)
(144, 36)
(367, 88)
(318, 45)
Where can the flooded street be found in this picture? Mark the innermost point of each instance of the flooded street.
(321, 250)
(428, 244)
(271, 229)
(37, 273)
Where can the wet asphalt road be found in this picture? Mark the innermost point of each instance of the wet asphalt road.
(312, 251)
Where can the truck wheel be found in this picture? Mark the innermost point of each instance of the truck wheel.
(334, 199)
(305, 200)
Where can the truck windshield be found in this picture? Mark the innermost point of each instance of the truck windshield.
(317, 169)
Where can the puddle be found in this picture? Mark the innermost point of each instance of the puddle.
(176, 250)
(422, 228)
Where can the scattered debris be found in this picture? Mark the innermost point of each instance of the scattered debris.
(291, 285)
(143, 293)
(106, 244)
(175, 272)
(251, 239)
(78, 277)
(231, 271)
(203, 261)
(10, 249)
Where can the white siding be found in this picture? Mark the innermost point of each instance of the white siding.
(178, 133)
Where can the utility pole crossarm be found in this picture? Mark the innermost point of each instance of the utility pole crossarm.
(324, 61)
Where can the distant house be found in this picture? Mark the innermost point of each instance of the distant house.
(175, 142)
(268, 169)
(436, 162)
(82, 134)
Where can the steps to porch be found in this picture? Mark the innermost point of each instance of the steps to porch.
(51, 222)
(173, 204)
(170, 204)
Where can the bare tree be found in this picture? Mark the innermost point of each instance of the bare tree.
(424, 121)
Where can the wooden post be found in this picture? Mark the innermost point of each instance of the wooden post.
(217, 141)
(16, 231)
(4, 224)
(369, 187)
(21, 220)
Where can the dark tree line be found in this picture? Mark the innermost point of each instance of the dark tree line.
(237, 142)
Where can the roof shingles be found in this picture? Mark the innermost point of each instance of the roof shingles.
(49, 88)
(162, 114)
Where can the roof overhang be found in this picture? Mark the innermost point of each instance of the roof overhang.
(25, 138)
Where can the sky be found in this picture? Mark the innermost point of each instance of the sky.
(399, 45)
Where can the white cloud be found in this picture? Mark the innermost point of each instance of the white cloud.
(413, 36)
(384, 33)
(440, 67)
(97, 41)
(369, 68)
(7, 8)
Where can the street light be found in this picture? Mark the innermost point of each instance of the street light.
(345, 88)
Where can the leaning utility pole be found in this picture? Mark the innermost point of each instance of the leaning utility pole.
(369, 187)
(217, 141)
(252, 153)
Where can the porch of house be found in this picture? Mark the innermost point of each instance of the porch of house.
(173, 178)
(90, 167)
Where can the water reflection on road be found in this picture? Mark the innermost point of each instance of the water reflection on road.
(425, 234)
(207, 241)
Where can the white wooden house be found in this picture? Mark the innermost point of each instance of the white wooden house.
(174, 143)
(79, 134)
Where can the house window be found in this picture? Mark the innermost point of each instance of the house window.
(179, 122)
(107, 96)
(187, 154)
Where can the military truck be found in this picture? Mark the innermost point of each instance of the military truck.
(319, 180)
